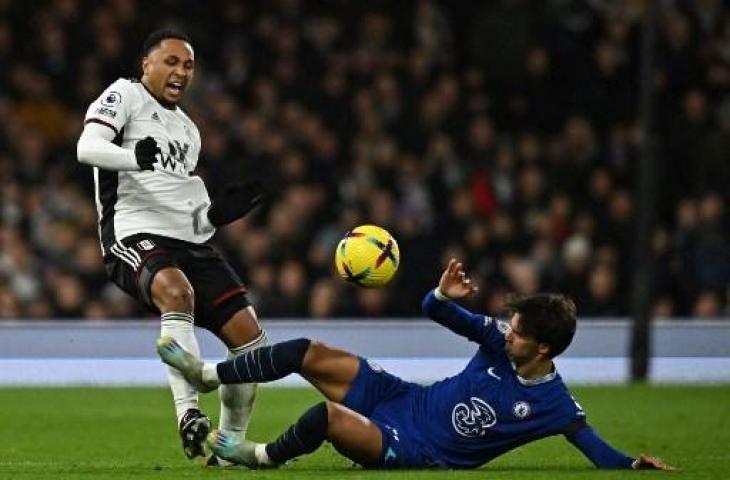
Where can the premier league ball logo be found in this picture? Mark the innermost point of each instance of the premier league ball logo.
(111, 99)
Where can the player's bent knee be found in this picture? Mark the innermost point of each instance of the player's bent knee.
(176, 296)
(322, 351)
(352, 434)
(180, 297)
(341, 419)
(335, 416)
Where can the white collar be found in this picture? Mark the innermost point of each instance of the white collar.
(528, 382)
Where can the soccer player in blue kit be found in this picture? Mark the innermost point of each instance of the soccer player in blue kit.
(509, 394)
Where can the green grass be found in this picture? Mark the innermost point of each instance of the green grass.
(108, 433)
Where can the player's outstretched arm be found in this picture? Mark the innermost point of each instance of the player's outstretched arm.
(603, 455)
(454, 284)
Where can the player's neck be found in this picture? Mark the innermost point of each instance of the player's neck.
(535, 368)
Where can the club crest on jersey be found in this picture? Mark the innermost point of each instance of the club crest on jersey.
(146, 245)
(521, 410)
(473, 420)
(111, 99)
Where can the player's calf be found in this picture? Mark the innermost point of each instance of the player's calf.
(264, 364)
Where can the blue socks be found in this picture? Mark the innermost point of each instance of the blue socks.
(303, 437)
(265, 364)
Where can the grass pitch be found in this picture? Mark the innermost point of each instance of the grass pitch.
(115, 433)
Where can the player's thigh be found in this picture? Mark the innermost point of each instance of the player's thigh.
(330, 370)
(134, 262)
(219, 292)
(353, 435)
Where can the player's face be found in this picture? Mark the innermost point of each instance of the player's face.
(520, 347)
(168, 69)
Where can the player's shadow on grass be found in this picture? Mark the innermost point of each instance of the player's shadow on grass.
(437, 471)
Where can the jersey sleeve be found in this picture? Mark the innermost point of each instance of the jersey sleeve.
(114, 107)
(484, 330)
(587, 440)
(597, 450)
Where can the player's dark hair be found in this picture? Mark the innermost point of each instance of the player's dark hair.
(548, 317)
(155, 38)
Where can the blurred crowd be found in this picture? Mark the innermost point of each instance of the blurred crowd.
(501, 132)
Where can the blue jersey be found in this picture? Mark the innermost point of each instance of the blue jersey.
(486, 410)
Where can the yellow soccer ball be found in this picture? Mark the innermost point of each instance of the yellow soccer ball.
(367, 256)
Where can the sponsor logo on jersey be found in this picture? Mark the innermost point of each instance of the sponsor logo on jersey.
(146, 245)
(473, 420)
(107, 112)
(487, 321)
(521, 410)
(178, 156)
(156, 117)
(490, 372)
(111, 99)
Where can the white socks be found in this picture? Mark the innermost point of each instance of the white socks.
(210, 374)
(237, 400)
(261, 456)
(179, 326)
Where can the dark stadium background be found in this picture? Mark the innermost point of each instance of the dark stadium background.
(505, 133)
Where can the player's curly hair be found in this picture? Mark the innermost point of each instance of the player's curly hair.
(548, 317)
(156, 37)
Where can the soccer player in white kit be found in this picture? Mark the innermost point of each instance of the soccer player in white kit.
(155, 218)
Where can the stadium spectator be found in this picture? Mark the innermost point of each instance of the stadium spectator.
(515, 139)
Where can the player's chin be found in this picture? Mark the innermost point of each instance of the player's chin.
(172, 96)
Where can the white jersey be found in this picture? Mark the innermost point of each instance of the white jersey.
(161, 201)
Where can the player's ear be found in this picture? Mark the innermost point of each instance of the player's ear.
(543, 349)
(145, 64)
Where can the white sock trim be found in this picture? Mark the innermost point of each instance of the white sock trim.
(186, 317)
(259, 341)
(210, 373)
(261, 456)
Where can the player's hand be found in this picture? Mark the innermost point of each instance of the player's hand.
(645, 462)
(454, 283)
(236, 201)
(146, 151)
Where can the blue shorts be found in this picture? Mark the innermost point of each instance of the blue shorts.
(383, 398)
